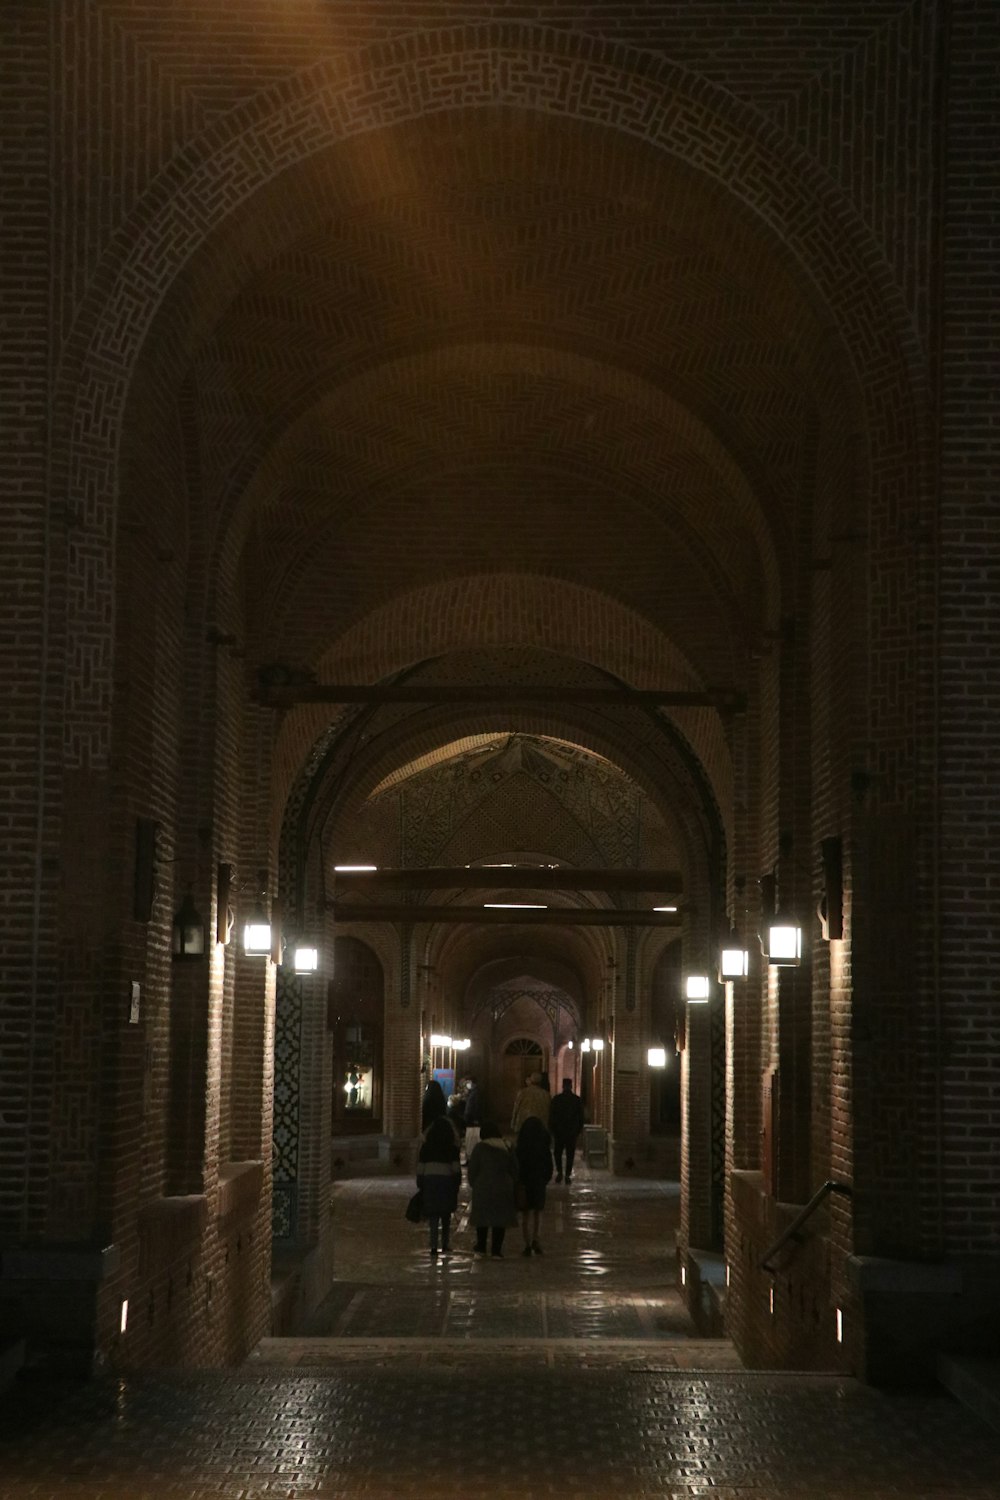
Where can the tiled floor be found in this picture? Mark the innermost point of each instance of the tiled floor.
(571, 1375)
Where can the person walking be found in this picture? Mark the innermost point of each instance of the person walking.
(534, 1160)
(565, 1123)
(433, 1105)
(439, 1173)
(473, 1117)
(493, 1171)
(533, 1099)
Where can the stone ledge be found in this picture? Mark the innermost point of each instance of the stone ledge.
(240, 1186)
(63, 1262)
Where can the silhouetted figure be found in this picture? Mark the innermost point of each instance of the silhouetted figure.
(434, 1104)
(532, 1100)
(565, 1123)
(534, 1160)
(492, 1172)
(438, 1176)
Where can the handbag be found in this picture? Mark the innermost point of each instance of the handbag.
(415, 1208)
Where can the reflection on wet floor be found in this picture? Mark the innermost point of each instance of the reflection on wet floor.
(606, 1277)
(571, 1375)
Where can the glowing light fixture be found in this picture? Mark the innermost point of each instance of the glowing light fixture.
(585, 1044)
(784, 943)
(697, 988)
(306, 960)
(664, 908)
(734, 963)
(657, 1057)
(257, 936)
(439, 1039)
(123, 1319)
(354, 869)
(840, 1326)
(516, 905)
(463, 1045)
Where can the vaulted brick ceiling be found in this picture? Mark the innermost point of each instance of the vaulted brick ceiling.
(518, 342)
(492, 346)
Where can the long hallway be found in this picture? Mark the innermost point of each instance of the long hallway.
(577, 1373)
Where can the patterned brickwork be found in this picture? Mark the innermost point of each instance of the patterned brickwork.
(619, 339)
(967, 1034)
(32, 538)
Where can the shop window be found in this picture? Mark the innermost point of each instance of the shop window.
(355, 1000)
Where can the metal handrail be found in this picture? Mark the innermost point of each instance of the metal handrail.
(814, 1202)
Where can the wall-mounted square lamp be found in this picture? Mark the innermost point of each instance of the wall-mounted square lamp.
(697, 989)
(734, 963)
(656, 1057)
(306, 960)
(187, 938)
(782, 943)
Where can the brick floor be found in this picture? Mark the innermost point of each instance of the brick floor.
(472, 1380)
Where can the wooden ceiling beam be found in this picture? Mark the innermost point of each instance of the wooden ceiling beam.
(509, 878)
(550, 916)
(279, 694)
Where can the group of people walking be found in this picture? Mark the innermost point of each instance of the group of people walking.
(507, 1182)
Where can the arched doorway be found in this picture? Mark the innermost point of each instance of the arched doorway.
(521, 1057)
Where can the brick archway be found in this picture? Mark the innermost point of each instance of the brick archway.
(525, 68)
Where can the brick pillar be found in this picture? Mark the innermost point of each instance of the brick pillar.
(696, 1129)
(253, 1060)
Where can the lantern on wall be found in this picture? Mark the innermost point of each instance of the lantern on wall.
(187, 939)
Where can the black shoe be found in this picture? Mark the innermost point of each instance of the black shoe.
(559, 1177)
(569, 1176)
(536, 1247)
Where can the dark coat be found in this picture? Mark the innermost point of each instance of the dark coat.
(534, 1160)
(566, 1116)
(439, 1173)
(492, 1175)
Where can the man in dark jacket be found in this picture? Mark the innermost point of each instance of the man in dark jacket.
(565, 1123)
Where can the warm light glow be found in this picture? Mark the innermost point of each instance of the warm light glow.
(257, 937)
(438, 1039)
(354, 869)
(597, 1043)
(306, 960)
(734, 963)
(684, 1275)
(770, 1301)
(697, 988)
(571, 1044)
(840, 1326)
(657, 1057)
(585, 1044)
(728, 1275)
(784, 943)
(463, 1045)
(664, 908)
(123, 1322)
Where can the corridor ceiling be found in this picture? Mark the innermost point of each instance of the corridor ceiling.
(500, 397)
